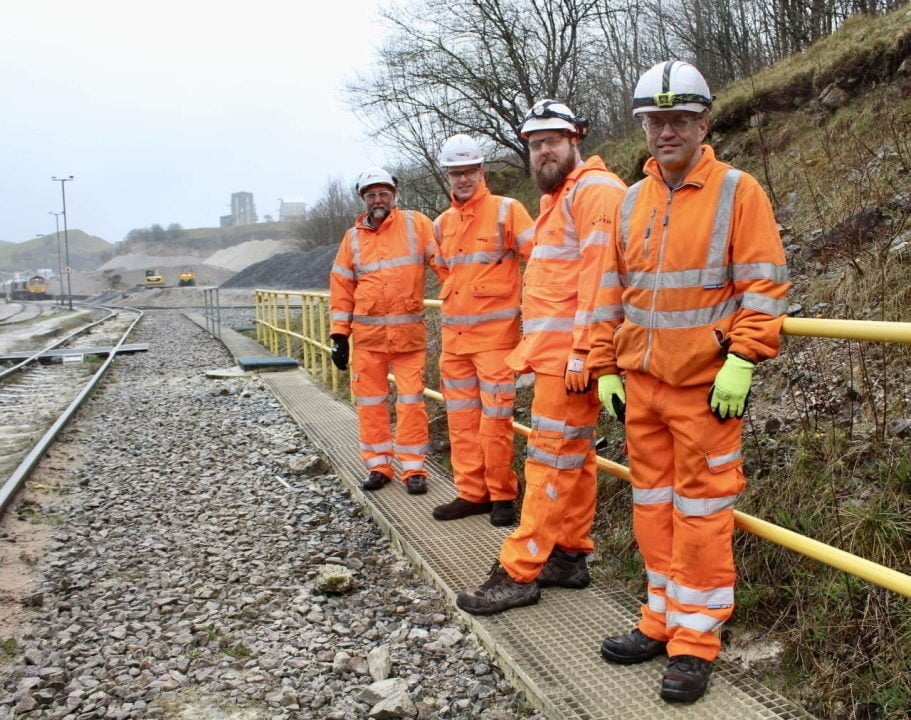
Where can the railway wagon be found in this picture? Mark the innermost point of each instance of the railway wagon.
(34, 288)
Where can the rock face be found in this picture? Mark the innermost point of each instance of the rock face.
(182, 577)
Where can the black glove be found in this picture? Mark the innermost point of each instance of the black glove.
(339, 351)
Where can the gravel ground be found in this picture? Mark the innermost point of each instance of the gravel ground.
(186, 525)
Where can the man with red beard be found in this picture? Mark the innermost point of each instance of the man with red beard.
(550, 546)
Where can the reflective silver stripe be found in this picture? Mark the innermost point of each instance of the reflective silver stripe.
(379, 460)
(505, 314)
(721, 226)
(532, 547)
(716, 597)
(598, 237)
(693, 621)
(533, 325)
(390, 263)
(355, 249)
(378, 447)
(412, 465)
(720, 460)
(411, 234)
(366, 400)
(560, 462)
(700, 507)
(611, 278)
(525, 237)
(460, 383)
(497, 388)
(341, 316)
(417, 399)
(502, 212)
(653, 496)
(552, 492)
(760, 271)
(626, 210)
(764, 304)
(599, 179)
(497, 411)
(656, 579)
(466, 404)
(343, 271)
(583, 317)
(388, 319)
(682, 318)
(569, 432)
(605, 313)
(555, 252)
(412, 449)
(678, 278)
(657, 603)
(483, 258)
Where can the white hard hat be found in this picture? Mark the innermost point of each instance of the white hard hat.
(375, 176)
(552, 115)
(459, 151)
(671, 85)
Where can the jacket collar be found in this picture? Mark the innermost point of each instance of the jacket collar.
(698, 175)
(593, 164)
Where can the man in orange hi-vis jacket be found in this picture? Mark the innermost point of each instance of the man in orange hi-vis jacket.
(480, 237)
(692, 297)
(376, 290)
(553, 539)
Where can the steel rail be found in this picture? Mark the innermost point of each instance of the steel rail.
(32, 358)
(18, 476)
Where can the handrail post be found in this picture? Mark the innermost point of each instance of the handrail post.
(323, 338)
(287, 325)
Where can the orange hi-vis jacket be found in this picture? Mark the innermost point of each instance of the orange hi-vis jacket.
(479, 243)
(376, 287)
(561, 278)
(693, 273)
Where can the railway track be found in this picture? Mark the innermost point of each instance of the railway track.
(37, 398)
(19, 311)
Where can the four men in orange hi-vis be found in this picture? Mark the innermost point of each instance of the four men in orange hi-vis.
(553, 539)
(377, 296)
(692, 297)
(480, 237)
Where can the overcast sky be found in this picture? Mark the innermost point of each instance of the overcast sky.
(161, 110)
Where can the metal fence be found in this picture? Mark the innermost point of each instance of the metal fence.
(296, 323)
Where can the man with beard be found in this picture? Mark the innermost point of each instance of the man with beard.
(376, 291)
(696, 278)
(481, 237)
(550, 546)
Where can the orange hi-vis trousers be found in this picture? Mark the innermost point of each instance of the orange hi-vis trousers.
(687, 473)
(560, 479)
(371, 393)
(479, 391)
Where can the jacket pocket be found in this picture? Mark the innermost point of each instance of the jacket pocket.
(491, 290)
(551, 293)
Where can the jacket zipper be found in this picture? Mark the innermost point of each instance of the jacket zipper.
(661, 246)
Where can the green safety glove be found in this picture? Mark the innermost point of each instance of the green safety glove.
(731, 389)
(613, 396)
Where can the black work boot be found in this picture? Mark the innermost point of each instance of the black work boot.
(685, 679)
(375, 480)
(503, 513)
(460, 508)
(498, 593)
(634, 647)
(564, 569)
(416, 484)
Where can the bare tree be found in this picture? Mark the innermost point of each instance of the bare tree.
(331, 215)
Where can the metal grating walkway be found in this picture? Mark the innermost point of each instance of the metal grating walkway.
(550, 650)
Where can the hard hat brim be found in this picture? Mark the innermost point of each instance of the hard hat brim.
(688, 107)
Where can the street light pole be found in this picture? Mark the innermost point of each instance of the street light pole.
(59, 261)
(66, 238)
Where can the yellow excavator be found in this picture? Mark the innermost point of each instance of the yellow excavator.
(187, 277)
(153, 279)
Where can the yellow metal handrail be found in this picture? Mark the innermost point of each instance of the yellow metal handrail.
(268, 330)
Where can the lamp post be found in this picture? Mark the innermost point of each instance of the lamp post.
(59, 260)
(66, 238)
